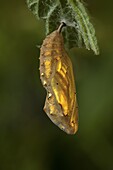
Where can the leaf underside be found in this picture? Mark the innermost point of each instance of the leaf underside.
(79, 31)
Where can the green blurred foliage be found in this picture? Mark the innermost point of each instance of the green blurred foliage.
(28, 139)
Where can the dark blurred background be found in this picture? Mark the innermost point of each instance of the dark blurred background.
(28, 139)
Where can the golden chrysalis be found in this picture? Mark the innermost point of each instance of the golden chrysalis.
(57, 77)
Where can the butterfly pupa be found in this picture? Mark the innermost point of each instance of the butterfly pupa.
(56, 74)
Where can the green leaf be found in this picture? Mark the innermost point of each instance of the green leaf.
(79, 31)
(33, 6)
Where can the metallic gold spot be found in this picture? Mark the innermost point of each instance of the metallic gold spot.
(42, 74)
(72, 124)
(52, 109)
(49, 95)
(44, 83)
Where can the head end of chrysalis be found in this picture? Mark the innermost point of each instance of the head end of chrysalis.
(63, 24)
